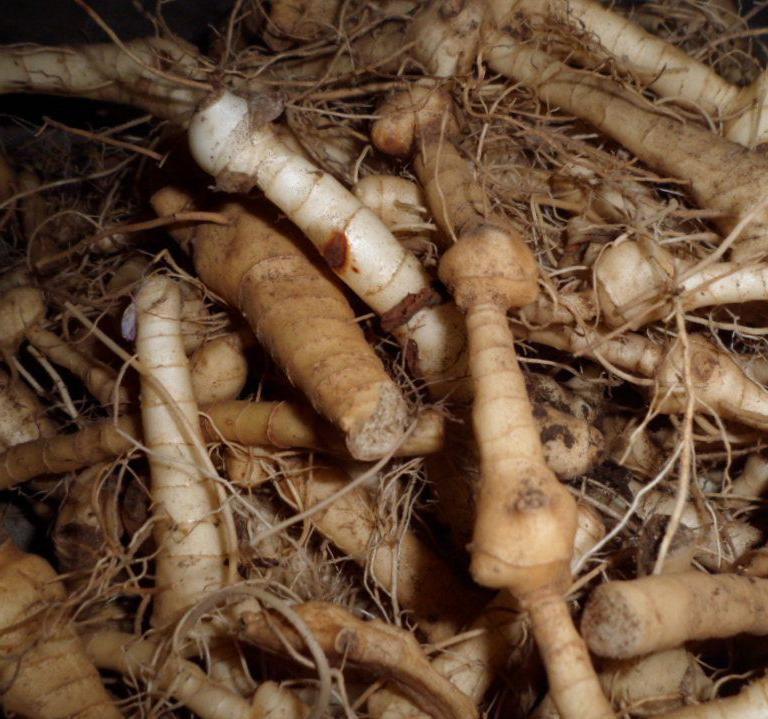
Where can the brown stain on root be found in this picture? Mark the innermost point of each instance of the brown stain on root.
(336, 251)
(408, 307)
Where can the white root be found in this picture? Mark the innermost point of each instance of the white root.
(189, 535)
(232, 141)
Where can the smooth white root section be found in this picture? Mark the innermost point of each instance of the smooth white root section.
(186, 682)
(106, 72)
(230, 141)
(191, 548)
(668, 70)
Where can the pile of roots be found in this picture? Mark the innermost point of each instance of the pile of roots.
(387, 359)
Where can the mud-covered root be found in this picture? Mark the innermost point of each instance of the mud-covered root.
(571, 446)
(398, 561)
(626, 619)
(168, 674)
(373, 646)
(22, 417)
(219, 369)
(84, 525)
(301, 317)
(44, 670)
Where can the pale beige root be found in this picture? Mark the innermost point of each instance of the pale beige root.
(636, 283)
(83, 529)
(171, 675)
(752, 483)
(44, 670)
(98, 442)
(526, 520)
(570, 307)
(22, 416)
(750, 703)
(445, 36)
(219, 369)
(471, 665)
(304, 320)
(630, 618)
(648, 686)
(287, 425)
(401, 206)
(545, 390)
(571, 449)
(631, 446)
(722, 175)
(375, 647)
(303, 19)
(235, 144)
(278, 424)
(474, 663)
(22, 309)
(667, 70)
(398, 562)
(249, 467)
(105, 72)
(99, 379)
(719, 383)
(190, 538)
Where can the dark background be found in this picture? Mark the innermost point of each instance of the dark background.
(62, 21)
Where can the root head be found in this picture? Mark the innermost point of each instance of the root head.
(407, 115)
(490, 265)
